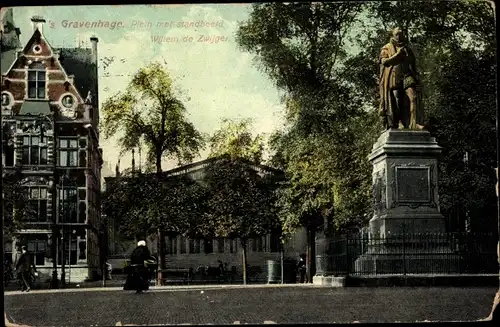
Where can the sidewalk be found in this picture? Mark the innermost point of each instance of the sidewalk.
(166, 288)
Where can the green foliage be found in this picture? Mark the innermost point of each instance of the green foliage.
(301, 46)
(240, 202)
(15, 204)
(324, 189)
(235, 139)
(330, 94)
(455, 46)
(150, 110)
(142, 204)
(463, 114)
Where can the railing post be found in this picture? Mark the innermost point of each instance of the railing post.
(348, 268)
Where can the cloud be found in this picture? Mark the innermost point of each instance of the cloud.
(218, 78)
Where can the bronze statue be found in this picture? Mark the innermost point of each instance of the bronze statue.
(398, 84)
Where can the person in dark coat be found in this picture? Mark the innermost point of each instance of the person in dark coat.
(301, 267)
(25, 269)
(138, 274)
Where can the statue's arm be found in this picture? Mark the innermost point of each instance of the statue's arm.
(389, 61)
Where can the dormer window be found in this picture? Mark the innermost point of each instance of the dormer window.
(36, 81)
(5, 100)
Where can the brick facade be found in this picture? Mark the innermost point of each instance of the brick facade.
(50, 104)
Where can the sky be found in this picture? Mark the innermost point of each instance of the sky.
(219, 79)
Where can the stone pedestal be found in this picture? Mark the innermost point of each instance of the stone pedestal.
(405, 195)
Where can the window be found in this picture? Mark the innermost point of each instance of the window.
(68, 101)
(68, 205)
(82, 245)
(68, 152)
(173, 245)
(257, 244)
(38, 248)
(220, 245)
(183, 244)
(274, 243)
(8, 155)
(34, 150)
(38, 204)
(5, 100)
(209, 246)
(194, 246)
(70, 256)
(82, 215)
(231, 246)
(36, 82)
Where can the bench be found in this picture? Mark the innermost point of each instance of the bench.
(186, 274)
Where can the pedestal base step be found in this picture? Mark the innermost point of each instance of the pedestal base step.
(331, 281)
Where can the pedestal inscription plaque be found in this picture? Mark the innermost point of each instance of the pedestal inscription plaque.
(413, 184)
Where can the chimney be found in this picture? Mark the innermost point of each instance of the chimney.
(37, 23)
(94, 40)
(95, 87)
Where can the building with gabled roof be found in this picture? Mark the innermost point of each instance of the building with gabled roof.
(184, 252)
(49, 103)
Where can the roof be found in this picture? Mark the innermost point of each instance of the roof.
(35, 108)
(10, 39)
(196, 167)
(78, 62)
(7, 59)
(203, 163)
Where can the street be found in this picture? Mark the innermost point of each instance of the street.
(247, 304)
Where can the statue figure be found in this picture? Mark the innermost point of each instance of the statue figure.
(398, 84)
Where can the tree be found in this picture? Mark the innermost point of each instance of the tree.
(464, 116)
(301, 46)
(240, 204)
(142, 204)
(455, 46)
(149, 110)
(235, 138)
(16, 210)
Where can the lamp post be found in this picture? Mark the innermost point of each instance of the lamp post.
(498, 198)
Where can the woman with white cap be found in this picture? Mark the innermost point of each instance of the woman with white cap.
(138, 275)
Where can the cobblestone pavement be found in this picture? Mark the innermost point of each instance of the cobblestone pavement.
(240, 305)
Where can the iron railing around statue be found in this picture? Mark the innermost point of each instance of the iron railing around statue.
(405, 254)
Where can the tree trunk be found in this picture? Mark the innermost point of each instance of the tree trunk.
(311, 244)
(282, 259)
(161, 235)
(244, 257)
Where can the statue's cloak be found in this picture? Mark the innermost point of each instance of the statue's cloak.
(389, 78)
(387, 81)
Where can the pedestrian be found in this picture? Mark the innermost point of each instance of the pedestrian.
(109, 269)
(301, 267)
(138, 274)
(221, 270)
(25, 269)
